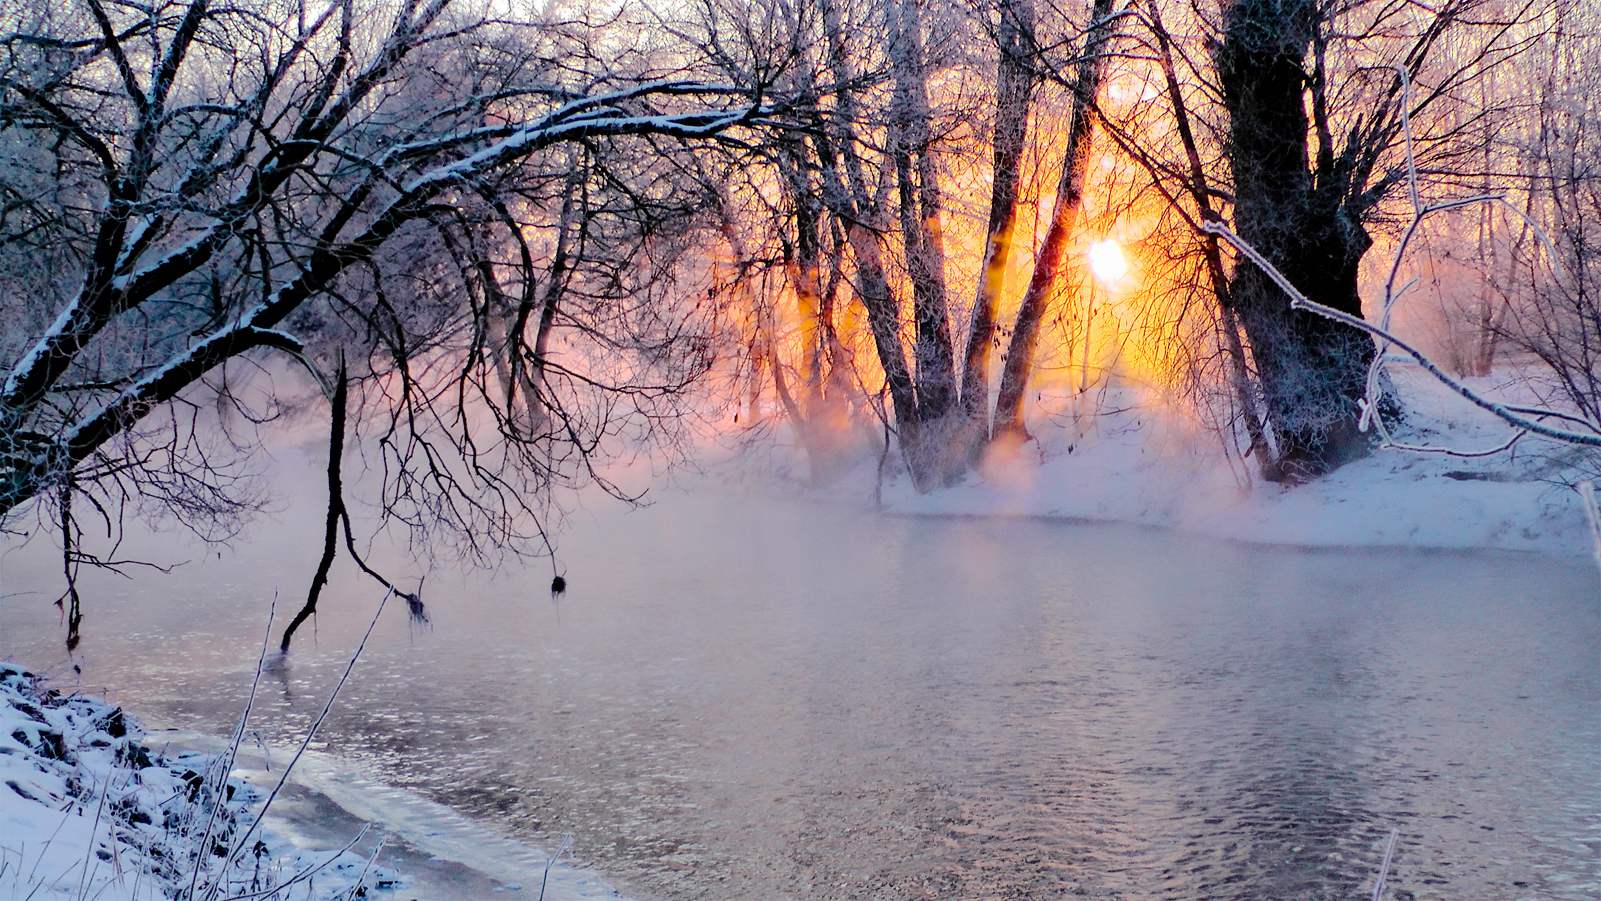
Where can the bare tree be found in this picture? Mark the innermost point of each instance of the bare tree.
(1557, 319)
(441, 196)
(1290, 121)
(869, 176)
(1563, 348)
(1311, 159)
(1014, 87)
(1088, 73)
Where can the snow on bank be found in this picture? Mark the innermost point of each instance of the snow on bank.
(88, 813)
(1141, 466)
(430, 830)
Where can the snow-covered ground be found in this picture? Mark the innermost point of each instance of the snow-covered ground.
(88, 812)
(1145, 466)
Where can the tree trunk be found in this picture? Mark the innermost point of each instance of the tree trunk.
(884, 321)
(850, 203)
(1019, 364)
(1312, 370)
(917, 181)
(1013, 89)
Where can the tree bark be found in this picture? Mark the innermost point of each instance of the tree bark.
(1201, 195)
(917, 179)
(850, 202)
(1312, 370)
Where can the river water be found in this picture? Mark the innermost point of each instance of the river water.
(776, 699)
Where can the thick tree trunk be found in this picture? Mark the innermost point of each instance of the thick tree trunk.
(1312, 370)
(1008, 426)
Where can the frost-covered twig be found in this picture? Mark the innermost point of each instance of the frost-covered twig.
(94, 829)
(225, 763)
(1384, 868)
(357, 890)
(1593, 514)
(566, 847)
(306, 873)
(1300, 301)
(1451, 451)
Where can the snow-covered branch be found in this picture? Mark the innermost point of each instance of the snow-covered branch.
(258, 172)
(1528, 421)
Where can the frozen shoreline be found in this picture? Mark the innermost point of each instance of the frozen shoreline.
(89, 808)
(1382, 502)
(89, 811)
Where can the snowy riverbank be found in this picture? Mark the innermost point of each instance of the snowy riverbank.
(1141, 467)
(93, 808)
(88, 811)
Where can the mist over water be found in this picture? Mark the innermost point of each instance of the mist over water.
(743, 698)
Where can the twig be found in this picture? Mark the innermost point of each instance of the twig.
(94, 829)
(1593, 514)
(362, 877)
(1389, 849)
(54, 883)
(40, 858)
(305, 743)
(1453, 452)
(305, 874)
(232, 753)
(566, 847)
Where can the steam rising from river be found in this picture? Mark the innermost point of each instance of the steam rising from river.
(746, 697)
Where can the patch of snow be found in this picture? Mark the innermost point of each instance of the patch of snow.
(86, 811)
(1148, 466)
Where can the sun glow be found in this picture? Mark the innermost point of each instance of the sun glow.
(1106, 261)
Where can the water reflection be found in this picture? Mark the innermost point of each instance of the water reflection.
(778, 700)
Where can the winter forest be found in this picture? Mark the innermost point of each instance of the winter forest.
(341, 297)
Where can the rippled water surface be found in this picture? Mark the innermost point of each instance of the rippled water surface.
(764, 700)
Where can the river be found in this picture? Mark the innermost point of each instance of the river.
(772, 699)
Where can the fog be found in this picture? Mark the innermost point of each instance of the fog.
(765, 697)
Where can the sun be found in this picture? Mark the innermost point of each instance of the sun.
(1106, 261)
